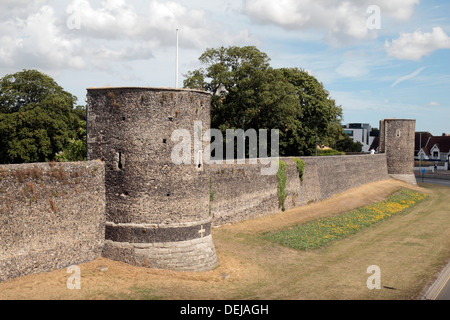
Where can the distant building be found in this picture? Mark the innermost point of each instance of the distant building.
(375, 143)
(421, 140)
(361, 132)
(433, 148)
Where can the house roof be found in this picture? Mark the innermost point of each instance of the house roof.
(425, 137)
(375, 143)
(442, 142)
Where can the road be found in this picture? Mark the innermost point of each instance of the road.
(435, 181)
(436, 178)
(440, 290)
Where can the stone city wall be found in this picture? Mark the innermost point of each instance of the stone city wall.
(134, 204)
(240, 192)
(52, 215)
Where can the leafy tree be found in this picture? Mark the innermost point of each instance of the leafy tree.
(76, 149)
(248, 93)
(320, 118)
(37, 117)
(346, 144)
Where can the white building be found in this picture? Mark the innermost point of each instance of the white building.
(361, 132)
(434, 148)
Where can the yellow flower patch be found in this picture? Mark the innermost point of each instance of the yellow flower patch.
(320, 232)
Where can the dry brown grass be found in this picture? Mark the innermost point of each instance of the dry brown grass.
(410, 249)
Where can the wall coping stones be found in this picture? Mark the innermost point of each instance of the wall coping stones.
(150, 89)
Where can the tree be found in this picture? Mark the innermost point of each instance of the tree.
(346, 144)
(319, 116)
(248, 93)
(76, 149)
(37, 117)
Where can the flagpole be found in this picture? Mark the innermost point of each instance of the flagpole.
(176, 71)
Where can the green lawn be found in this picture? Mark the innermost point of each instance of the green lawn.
(320, 232)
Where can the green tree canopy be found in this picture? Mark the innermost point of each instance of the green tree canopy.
(346, 144)
(249, 93)
(37, 117)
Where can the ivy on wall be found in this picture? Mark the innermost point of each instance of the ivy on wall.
(300, 167)
(281, 189)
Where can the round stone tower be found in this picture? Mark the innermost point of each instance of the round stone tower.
(157, 209)
(397, 141)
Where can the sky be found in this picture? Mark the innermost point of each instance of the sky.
(378, 59)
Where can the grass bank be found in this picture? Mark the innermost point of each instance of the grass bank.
(323, 231)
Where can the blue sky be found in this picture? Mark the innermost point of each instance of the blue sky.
(399, 69)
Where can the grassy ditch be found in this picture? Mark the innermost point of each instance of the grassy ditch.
(321, 232)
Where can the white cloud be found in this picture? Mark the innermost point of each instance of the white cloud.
(36, 40)
(154, 23)
(354, 65)
(19, 8)
(340, 21)
(116, 20)
(408, 77)
(85, 33)
(400, 10)
(337, 19)
(357, 101)
(414, 46)
(359, 106)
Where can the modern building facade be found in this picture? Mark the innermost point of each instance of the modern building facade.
(361, 132)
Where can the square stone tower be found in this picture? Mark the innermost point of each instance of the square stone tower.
(397, 141)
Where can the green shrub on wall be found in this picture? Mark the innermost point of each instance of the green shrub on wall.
(300, 168)
(281, 189)
(329, 152)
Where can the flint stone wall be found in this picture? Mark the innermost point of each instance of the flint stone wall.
(155, 208)
(52, 215)
(241, 192)
(397, 141)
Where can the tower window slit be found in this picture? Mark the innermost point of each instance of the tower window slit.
(120, 165)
